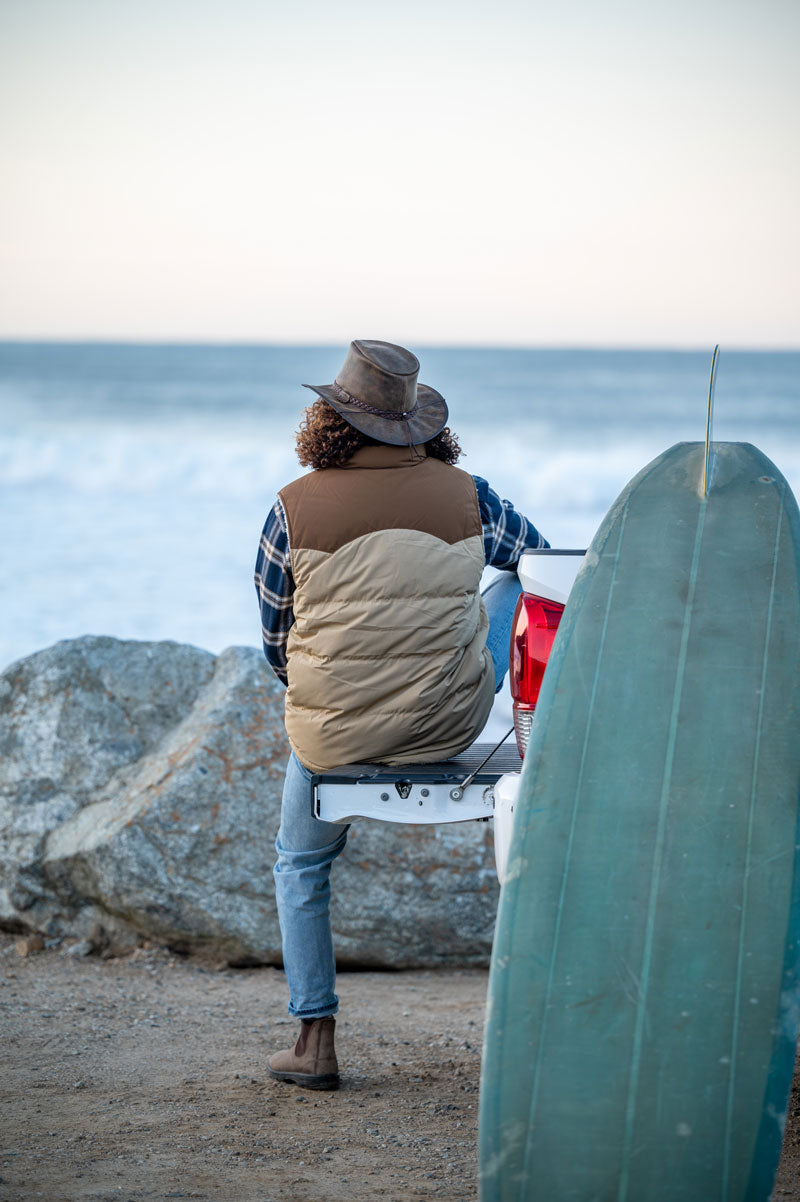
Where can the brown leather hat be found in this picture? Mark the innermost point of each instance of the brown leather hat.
(377, 392)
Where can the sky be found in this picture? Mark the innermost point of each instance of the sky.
(503, 173)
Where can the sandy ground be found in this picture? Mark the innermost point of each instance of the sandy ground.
(143, 1078)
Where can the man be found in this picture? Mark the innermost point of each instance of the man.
(368, 575)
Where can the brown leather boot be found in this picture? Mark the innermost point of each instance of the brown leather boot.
(312, 1061)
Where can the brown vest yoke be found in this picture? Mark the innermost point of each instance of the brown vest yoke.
(380, 488)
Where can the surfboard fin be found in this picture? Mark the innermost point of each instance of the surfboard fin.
(709, 416)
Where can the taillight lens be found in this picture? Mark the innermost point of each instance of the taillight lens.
(535, 624)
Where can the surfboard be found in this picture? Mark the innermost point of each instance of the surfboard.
(643, 998)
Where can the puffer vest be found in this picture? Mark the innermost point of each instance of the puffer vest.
(387, 658)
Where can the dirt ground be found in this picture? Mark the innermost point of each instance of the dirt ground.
(143, 1077)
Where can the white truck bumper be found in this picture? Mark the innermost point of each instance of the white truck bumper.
(506, 791)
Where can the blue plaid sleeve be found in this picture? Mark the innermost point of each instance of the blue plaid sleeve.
(275, 587)
(506, 533)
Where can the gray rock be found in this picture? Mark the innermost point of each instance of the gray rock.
(140, 790)
(82, 948)
(415, 896)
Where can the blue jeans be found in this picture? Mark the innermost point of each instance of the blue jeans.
(307, 848)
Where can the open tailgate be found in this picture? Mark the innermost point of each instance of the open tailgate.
(414, 792)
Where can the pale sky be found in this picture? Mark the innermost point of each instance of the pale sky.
(624, 173)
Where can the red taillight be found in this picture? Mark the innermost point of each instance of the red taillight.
(535, 624)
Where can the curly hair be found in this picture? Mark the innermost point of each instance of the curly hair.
(325, 439)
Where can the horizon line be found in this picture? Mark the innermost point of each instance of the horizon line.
(325, 344)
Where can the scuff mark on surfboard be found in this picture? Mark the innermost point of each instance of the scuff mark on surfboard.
(515, 869)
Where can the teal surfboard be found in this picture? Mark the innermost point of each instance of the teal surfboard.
(643, 999)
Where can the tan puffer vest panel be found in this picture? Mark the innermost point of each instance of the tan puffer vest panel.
(387, 657)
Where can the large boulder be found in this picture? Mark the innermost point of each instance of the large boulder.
(140, 788)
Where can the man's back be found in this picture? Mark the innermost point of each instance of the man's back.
(387, 650)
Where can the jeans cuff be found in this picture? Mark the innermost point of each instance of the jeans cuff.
(313, 1014)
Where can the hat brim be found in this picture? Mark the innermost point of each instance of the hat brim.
(429, 419)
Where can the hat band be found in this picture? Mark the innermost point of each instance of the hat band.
(390, 415)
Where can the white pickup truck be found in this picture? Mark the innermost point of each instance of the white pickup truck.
(483, 781)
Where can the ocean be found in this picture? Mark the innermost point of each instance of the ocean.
(135, 479)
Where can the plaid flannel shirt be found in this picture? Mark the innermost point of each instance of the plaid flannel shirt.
(506, 534)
